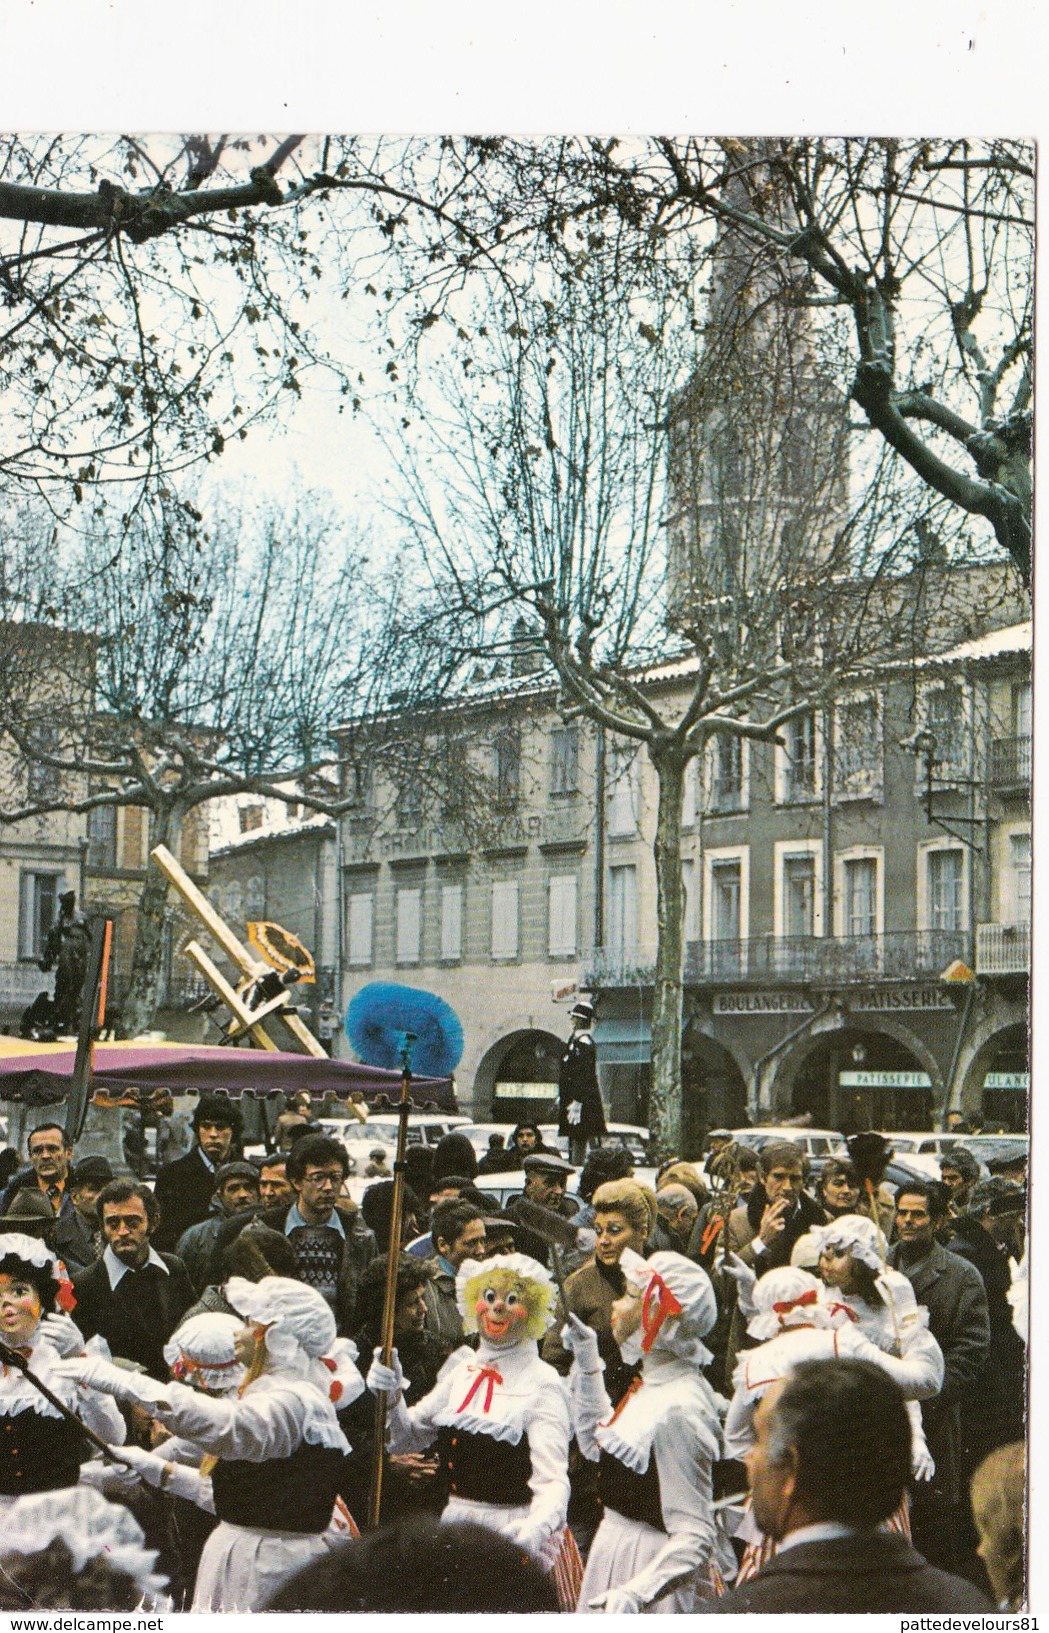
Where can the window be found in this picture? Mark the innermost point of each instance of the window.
(562, 927)
(409, 801)
(945, 719)
(1017, 904)
(361, 911)
(860, 896)
(799, 895)
(945, 881)
(689, 885)
(799, 758)
(42, 781)
(255, 897)
(1022, 710)
(690, 795)
(564, 760)
(622, 913)
(38, 910)
(357, 786)
(409, 924)
(504, 919)
(451, 922)
(507, 768)
(858, 749)
(623, 790)
(249, 818)
(728, 772)
(102, 837)
(726, 886)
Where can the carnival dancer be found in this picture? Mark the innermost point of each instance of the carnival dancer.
(658, 1547)
(795, 1320)
(499, 1416)
(40, 1450)
(203, 1354)
(277, 1442)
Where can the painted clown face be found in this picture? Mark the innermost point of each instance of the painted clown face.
(19, 1309)
(505, 1306)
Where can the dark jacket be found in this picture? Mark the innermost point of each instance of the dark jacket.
(577, 1088)
(74, 1242)
(590, 1293)
(953, 1293)
(996, 1415)
(25, 1180)
(871, 1571)
(184, 1190)
(134, 1334)
(359, 1249)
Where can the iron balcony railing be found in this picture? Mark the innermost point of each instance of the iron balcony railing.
(1010, 762)
(1003, 949)
(806, 960)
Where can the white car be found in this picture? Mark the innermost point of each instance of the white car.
(815, 1142)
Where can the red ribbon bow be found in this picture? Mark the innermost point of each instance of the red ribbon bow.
(489, 1376)
(65, 1298)
(844, 1308)
(659, 1303)
(810, 1296)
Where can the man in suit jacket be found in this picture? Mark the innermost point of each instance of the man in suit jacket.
(78, 1235)
(134, 1297)
(954, 1295)
(184, 1188)
(830, 1464)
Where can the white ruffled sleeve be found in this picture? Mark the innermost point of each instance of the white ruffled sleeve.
(918, 1371)
(549, 1429)
(413, 1428)
(739, 1422)
(264, 1424)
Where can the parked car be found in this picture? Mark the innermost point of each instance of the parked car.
(633, 1137)
(815, 1142)
(988, 1148)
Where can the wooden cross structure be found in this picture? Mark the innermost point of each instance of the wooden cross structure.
(264, 1024)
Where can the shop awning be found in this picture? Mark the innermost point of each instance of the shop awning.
(40, 1074)
(623, 1043)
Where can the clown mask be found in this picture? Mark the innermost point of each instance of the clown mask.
(505, 1306)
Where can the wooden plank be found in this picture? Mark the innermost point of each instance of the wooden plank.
(195, 952)
(212, 921)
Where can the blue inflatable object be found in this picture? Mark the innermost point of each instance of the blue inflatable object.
(378, 1018)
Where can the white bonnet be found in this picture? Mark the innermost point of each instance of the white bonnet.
(787, 1297)
(527, 1268)
(14, 1245)
(295, 1316)
(202, 1349)
(689, 1287)
(855, 1234)
(89, 1526)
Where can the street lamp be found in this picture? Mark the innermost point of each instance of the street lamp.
(922, 744)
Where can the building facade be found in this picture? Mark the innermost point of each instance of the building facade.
(856, 941)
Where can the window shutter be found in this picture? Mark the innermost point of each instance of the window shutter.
(409, 923)
(27, 917)
(361, 927)
(451, 921)
(504, 919)
(562, 930)
(688, 797)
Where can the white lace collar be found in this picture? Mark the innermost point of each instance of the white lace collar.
(17, 1394)
(490, 1391)
(666, 1380)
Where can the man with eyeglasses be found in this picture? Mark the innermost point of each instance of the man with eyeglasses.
(332, 1244)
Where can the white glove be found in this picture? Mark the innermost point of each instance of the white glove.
(581, 1342)
(62, 1332)
(617, 1602)
(523, 1534)
(92, 1372)
(922, 1464)
(386, 1380)
(107, 1477)
(147, 1465)
(744, 1278)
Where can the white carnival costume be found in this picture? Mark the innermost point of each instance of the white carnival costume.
(40, 1450)
(201, 1353)
(658, 1547)
(277, 1444)
(498, 1414)
(91, 1529)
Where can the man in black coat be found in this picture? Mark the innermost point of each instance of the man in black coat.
(134, 1297)
(78, 1234)
(830, 1465)
(953, 1293)
(581, 1116)
(184, 1188)
(991, 1226)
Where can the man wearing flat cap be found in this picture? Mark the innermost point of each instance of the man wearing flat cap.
(545, 1179)
(581, 1116)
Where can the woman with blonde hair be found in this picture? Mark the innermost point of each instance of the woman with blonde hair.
(625, 1212)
